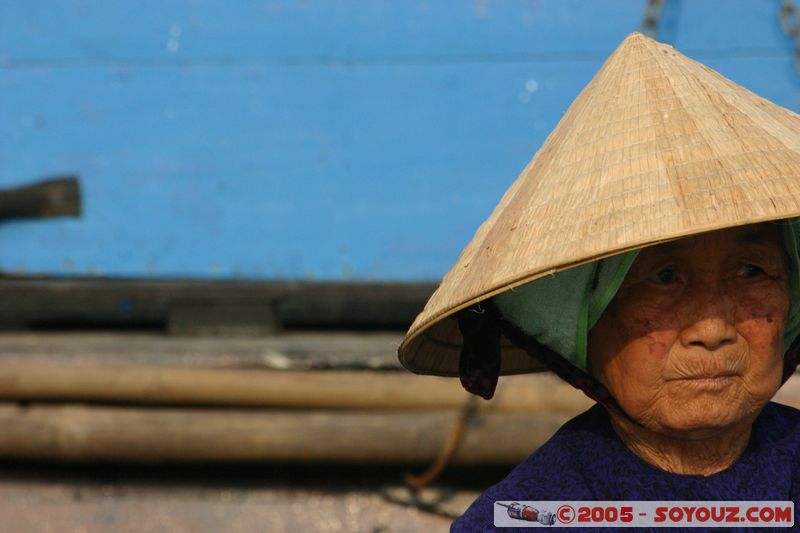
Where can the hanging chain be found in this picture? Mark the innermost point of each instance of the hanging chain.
(790, 24)
(652, 18)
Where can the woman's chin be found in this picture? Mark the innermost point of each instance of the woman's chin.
(704, 416)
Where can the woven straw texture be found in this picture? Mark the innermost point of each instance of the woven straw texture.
(656, 147)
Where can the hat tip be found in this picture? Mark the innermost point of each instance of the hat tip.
(637, 36)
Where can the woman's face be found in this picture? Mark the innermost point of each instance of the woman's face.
(693, 340)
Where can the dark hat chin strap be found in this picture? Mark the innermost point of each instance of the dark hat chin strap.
(482, 325)
(479, 364)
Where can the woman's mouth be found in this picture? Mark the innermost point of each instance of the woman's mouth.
(711, 379)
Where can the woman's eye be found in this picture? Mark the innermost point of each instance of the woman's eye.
(751, 271)
(665, 276)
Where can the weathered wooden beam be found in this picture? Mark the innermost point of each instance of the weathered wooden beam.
(288, 350)
(226, 320)
(26, 301)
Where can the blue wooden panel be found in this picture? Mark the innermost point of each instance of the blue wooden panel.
(374, 171)
(48, 31)
(729, 27)
(308, 139)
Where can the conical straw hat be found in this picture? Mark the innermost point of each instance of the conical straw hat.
(656, 147)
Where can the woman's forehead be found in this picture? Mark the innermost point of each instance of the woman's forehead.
(763, 235)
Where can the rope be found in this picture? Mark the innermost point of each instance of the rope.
(448, 450)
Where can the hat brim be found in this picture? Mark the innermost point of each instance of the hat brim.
(433, 347)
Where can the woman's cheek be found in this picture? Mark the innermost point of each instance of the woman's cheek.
(762, 333)
(764, 344)
(650, 334)
(761, 320)
(652, 331)
(651, 322)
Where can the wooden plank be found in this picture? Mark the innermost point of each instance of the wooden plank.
(288, 350)
(121, 302)
(237, 320)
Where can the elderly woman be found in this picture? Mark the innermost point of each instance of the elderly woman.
(691, 350)
(648, 256)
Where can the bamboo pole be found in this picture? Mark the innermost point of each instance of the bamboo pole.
(102, 433)
(360, 390)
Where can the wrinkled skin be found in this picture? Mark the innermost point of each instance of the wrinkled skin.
(691, 347)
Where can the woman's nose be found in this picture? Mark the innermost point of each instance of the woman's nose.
(708, 319)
